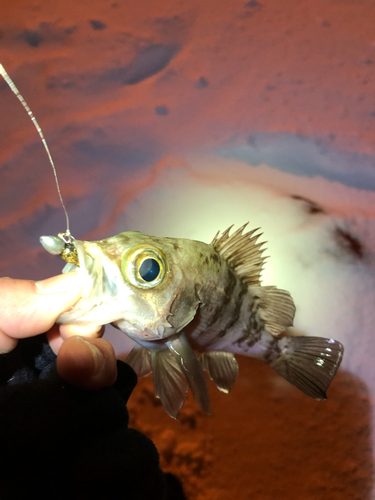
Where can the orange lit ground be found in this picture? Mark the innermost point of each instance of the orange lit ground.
(265, 440)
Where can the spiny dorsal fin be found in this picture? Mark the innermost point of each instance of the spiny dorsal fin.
(242, 252)
(222, 368)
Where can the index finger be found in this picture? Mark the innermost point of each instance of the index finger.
(29, 308)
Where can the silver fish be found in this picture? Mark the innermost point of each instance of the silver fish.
(190, 306)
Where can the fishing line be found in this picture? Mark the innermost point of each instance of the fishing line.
(15, 90)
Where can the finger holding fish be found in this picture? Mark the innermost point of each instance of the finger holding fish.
(57, 336)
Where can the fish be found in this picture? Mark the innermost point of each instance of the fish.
(191, 307)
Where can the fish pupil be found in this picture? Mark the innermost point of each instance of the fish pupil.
(149, 270)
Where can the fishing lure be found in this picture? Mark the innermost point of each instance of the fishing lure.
(66, 237)
(190, 306)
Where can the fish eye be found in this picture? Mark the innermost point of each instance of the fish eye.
(149, 270)
(144, 266)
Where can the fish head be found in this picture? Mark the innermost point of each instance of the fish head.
(141, 284)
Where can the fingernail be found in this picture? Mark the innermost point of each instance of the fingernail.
(96, 354)
(62, 283)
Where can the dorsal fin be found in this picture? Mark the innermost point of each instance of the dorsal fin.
(242, 252)
(276, 308)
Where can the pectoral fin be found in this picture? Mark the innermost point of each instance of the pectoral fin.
(170, 383)
(139, 359)
(222, 368)
(174, 368)
(192, 369)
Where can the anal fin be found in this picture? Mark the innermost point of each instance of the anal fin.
(222, 368)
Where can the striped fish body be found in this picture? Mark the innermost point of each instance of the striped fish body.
(190, 306)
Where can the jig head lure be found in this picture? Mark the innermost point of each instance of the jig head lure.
(63, 244)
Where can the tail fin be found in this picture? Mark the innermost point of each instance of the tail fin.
(309, 363)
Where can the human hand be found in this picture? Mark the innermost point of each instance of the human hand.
(29, 308)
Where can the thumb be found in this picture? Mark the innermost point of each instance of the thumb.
(87, 363)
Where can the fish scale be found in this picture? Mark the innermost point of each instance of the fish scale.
(220, 308)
